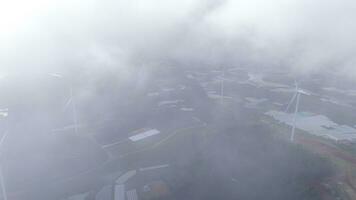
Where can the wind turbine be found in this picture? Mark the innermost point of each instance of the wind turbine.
(70, 101)
(2, 179)
(296, 96)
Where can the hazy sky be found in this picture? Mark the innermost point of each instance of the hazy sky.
(303, 35)
(99, 36)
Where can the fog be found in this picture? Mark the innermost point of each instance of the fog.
(300, 35)
(78, 76)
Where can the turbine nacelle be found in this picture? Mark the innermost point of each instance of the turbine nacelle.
(300, 91)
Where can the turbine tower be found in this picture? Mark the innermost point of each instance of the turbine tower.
(74, 110)
(222, 85)
(296, 97)
(2, 178)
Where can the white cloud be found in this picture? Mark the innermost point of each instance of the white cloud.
(298, 34)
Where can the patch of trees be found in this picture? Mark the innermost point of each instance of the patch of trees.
(247, 163)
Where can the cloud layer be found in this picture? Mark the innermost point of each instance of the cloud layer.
(305, 36)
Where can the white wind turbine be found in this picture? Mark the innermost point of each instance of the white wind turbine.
(298, 92)
(2, 178)
(72, 103)
(69, 102)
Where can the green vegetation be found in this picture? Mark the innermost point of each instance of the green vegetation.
(234, 166)
(351, 148)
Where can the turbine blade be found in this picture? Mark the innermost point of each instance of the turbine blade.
(56, 75)
(291, 101)
(3, 138)
(69, 101)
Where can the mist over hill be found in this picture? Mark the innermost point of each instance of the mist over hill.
(97, 94)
